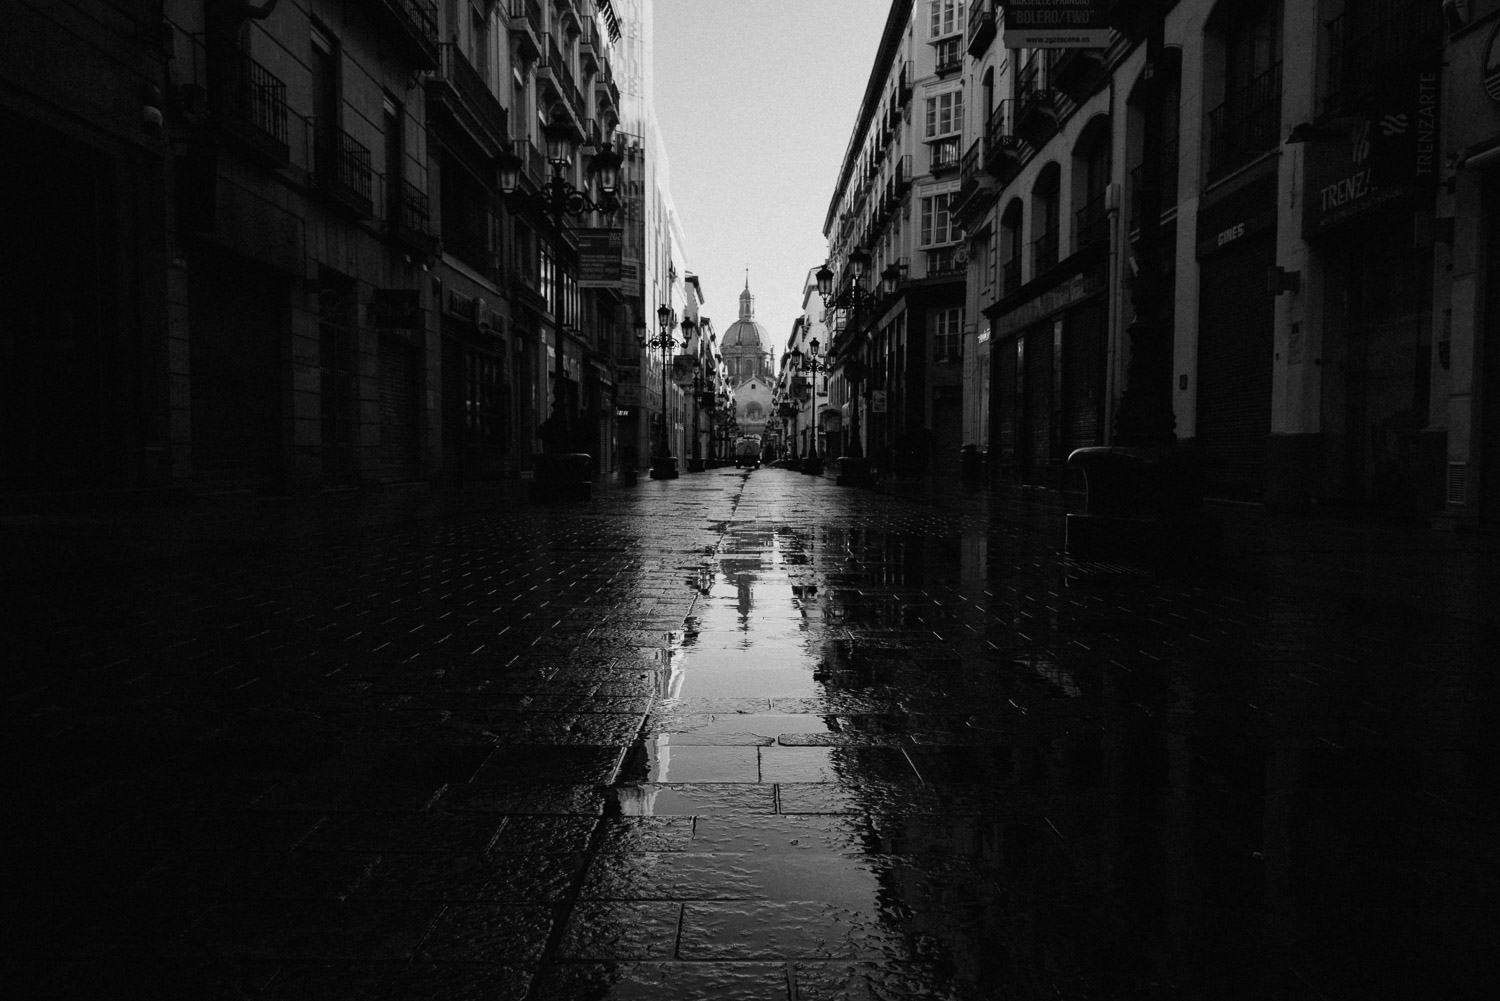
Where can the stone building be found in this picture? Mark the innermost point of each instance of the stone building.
(749, 357)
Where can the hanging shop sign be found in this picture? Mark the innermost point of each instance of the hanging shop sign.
(599, 257)
(1384, 154)
(877, 401)
(1057, 24)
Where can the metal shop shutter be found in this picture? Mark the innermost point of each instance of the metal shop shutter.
(1235, 325)
(1036, 435)
(398, 409)
(1003, 399)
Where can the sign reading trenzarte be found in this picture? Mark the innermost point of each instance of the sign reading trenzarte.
(1057, 24)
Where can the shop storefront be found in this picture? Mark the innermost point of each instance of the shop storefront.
(1048, 373)
(1236, 323)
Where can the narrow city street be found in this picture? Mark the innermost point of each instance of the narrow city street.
(743, 735)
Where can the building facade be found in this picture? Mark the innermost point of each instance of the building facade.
(295, 266)
(895, 348)
(1307, 269)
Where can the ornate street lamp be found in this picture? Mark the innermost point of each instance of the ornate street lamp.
(557, 197)
(812, 361)
(854, 468)
(663, 462)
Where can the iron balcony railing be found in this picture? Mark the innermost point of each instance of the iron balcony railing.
(945, 262)
(417, 24)
(342, 167)
(1247, 124)
(562, 75)
(943, 155)
(474, 91)
(1044, 252)
(1168, 183)
(408, 211)
(250, 102)
(982, 27)
(948, 57)
(528, 11)
(1010, 276)
(1092, 224)
(1374, 35)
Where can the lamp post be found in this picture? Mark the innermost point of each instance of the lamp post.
(812, 361)
(854, 467)
(663, 462)
(558, 199)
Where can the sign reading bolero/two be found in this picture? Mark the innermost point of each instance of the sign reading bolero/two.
(1057, 24)
(599, 252)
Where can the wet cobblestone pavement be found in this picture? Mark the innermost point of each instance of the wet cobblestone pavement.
(747, 735)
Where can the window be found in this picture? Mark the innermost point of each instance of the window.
(947, 17)
(465, 215)
(937, 223)
(948, 55)
(945, 114)
(947, 324)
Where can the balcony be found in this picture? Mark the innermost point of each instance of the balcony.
(943, 155)
(1091, 225)
(606, 91)
(1036, 104)
(1246, 125)
(588, 46)
(415, 24)
(1044, 253)
(1002, 150)
(1010, 276)
(526, 27)
(249, 104)
(1076, 73)
(465, 95)
(901, 174)
(341, 169)
(554, 71)
(946, 262)
(904, 85)
(1368, 40)
(948, 57)
(1168, 184)
(977, 189)
(408, 215)
(982, 27)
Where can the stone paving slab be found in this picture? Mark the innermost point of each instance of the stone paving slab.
(745, 735)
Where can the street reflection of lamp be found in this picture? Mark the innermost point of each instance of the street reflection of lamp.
(663, 462)
(854, 467)
(557, 197)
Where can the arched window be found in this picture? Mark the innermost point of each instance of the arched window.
(1090, 183)
(1010, 247)
(1044, 218)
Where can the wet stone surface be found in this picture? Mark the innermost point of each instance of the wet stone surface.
(747, 735)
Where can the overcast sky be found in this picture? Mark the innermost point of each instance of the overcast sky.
(756, 100)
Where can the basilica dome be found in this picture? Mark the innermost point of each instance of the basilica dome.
(747, 344)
